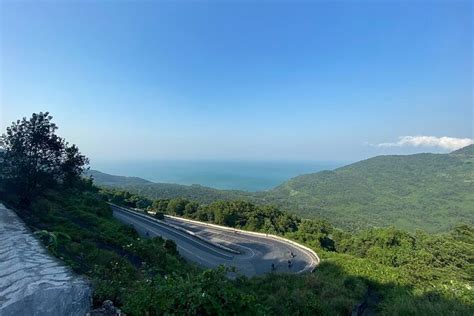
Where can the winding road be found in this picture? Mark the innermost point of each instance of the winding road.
(211, 245)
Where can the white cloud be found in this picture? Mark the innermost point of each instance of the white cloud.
(447, 143)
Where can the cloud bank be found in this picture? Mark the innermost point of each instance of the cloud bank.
(447, 143)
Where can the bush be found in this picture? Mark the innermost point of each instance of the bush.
(170, 246)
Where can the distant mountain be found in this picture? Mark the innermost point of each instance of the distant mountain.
(193, 192)
(427, 191)
(105, 179)
(154, 190)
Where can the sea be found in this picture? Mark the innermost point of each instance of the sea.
(232, 175)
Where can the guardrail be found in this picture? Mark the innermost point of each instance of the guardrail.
(312, 254)
(176, 228)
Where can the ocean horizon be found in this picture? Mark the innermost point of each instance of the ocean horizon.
(220, 174)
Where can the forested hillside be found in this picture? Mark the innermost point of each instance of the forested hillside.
(433, 192)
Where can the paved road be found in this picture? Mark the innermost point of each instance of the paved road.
(251, 255)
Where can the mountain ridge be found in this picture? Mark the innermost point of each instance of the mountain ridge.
(106, 179)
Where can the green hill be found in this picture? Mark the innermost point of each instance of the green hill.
(193, 192)
(157, 191)
(433, 192)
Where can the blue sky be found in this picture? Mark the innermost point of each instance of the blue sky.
(241, 80)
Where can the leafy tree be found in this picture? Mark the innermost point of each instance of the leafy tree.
(36, 158)
(143, 203)
(170, 246)
(191, 208)
(74, 165)
(177, 206)
(160, 206)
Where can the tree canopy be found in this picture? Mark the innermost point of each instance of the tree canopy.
(36, 158)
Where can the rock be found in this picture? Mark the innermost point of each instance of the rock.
(33, 282)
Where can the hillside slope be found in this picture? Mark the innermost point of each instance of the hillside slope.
(423, 191)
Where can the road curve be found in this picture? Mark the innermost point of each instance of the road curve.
(211, 245)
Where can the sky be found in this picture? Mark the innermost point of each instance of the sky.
(242, 80)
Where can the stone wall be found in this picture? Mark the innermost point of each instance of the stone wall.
(32, 282)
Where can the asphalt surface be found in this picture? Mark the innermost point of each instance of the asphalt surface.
(256, 254)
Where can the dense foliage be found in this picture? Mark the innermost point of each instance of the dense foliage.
(35, 158)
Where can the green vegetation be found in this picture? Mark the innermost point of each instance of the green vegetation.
(392, 271)
(35, 158)
(433, 192)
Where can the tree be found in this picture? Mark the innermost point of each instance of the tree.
(73, 165)
(177, 206)
(170, 246)
(160, 206)
(143, 203)
(36, 158)
(191, 208)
